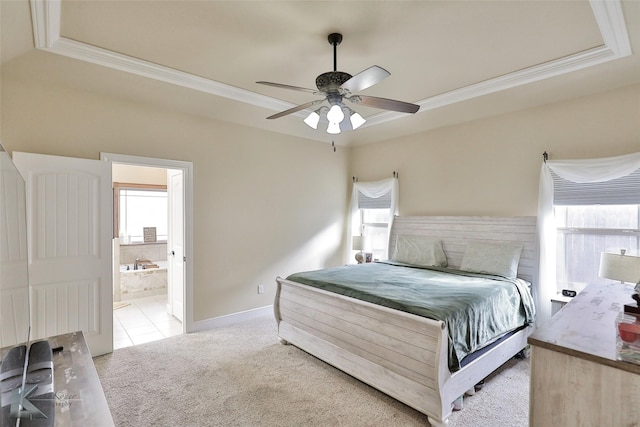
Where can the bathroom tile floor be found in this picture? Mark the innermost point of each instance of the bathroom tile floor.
(143, 320)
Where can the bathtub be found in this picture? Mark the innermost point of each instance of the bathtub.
(128, 268)
(143, 282)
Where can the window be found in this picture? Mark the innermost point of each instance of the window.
(373, 206)
(584, 231)
(375, 225)
(137, 206)
(585, 206)
(591, 218)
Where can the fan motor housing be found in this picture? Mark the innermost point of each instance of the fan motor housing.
(331, 81)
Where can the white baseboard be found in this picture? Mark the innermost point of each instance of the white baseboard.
(230, 319)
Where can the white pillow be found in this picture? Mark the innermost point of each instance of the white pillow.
(422, 251)
(492, 258)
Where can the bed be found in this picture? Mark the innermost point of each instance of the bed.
(395, 348)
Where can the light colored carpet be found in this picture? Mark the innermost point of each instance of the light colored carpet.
(240, 375)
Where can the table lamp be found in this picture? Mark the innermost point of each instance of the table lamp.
(358, 245)
(625, 268)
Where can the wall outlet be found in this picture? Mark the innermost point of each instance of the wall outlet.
(261, 289)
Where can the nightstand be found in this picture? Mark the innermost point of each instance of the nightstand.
(557, 302)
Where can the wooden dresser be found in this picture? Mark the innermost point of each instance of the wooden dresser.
(575, 377)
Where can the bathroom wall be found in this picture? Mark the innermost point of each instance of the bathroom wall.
(150, 251)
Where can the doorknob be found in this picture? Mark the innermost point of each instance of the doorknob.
(173, 253)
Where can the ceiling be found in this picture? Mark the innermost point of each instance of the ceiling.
(458, 60)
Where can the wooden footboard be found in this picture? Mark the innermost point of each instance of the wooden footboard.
(400, 354)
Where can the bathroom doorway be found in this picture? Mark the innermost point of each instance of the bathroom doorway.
(152, 213)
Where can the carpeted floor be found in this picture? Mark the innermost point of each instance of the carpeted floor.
(241, 376)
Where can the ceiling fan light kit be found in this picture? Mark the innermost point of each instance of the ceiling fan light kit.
(312, 120)
(356, 120)
(336, 86)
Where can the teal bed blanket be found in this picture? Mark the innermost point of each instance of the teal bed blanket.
(477, 309)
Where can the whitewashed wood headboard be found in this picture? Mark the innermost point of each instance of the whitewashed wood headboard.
(457, 232)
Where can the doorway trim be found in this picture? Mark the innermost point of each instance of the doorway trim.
(187, 169)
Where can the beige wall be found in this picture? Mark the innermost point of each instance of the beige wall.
(265, 204)
(268, 205)
(492, 166)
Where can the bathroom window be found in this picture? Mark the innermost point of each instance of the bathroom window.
(137, 206)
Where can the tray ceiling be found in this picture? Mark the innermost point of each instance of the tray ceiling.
(458, 60)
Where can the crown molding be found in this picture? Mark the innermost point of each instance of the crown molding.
(46, 15)
(610, 20)
(613, 28)
(118, 61)
(532, 74)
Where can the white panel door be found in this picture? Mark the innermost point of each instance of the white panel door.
(69, 224)
(176, 270)
(14, 280)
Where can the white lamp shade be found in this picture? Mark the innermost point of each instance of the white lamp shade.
(625, 268)
(357, 120)
(335, 114)
(333, 128)
(312, 120)
(358, 243)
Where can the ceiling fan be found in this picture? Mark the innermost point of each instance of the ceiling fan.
(336, 86)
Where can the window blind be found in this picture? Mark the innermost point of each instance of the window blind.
(620, 191)
(382, 202)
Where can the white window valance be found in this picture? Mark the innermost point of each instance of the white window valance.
(585, 172)
(618, 191)
(382, 202)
